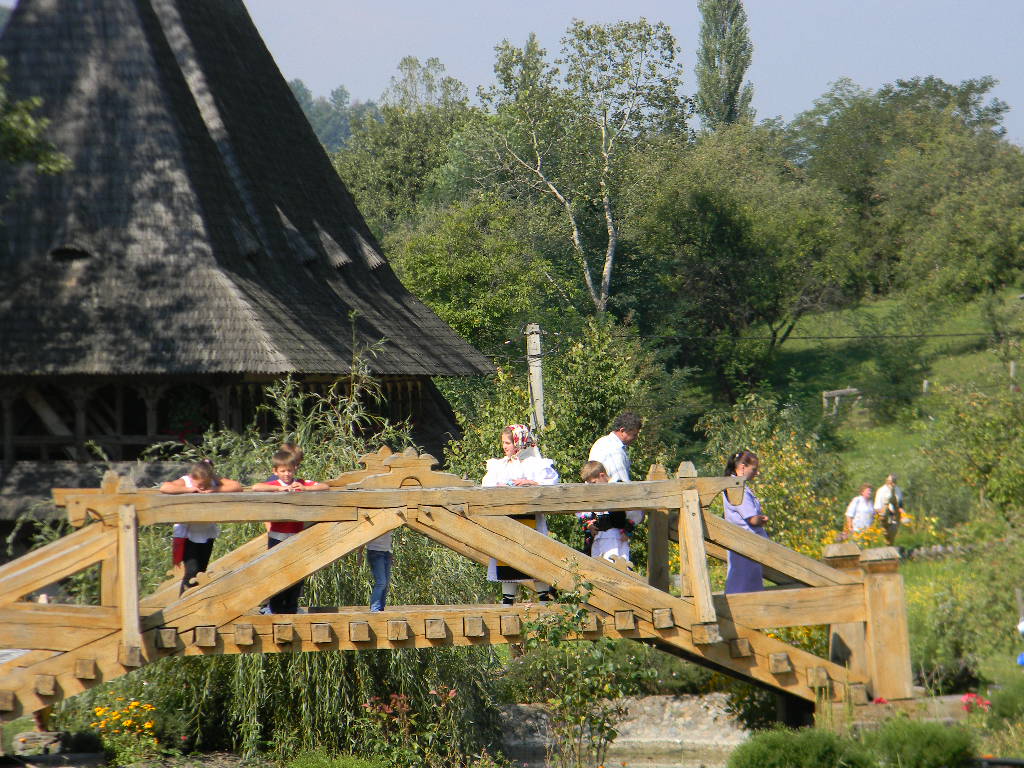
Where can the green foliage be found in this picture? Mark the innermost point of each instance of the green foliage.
(389, 158)
(580, 683)
(287, 702)
(979, 440)
(331, 118)
(905, 743)
(740, 243)
(589, 379)
(21, 132)
(722, 62)
(637, 667)
(800, 475)
(323, 760)
(898, 361)
(563, 141)
(474, 264)
(804, 748)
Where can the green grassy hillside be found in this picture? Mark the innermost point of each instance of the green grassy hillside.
(872, 446)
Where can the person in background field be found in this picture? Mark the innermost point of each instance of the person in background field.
(889, 507)
(608, 532)
(860, 512)
(283, 462)
(610, 450)
(744, 574)
(192, 543)
(522, 465)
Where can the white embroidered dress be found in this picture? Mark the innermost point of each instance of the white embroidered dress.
(504, 471)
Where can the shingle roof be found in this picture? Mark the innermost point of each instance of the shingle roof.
(219, 237)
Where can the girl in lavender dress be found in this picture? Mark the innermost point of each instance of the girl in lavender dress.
(744, 575)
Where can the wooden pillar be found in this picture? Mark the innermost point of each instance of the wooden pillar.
(130, 651)
(886, 634)
(109, 594)
(151, 396)
(7, 404)
(846, 642)
(80, 399)
(691, 539)
(657, 538)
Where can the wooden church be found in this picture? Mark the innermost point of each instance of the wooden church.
(200, 246)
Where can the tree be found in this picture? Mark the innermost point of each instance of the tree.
(565, 140)
(722, 62)
(474, 264)
(390, 157)
(22, 137)
(424, 85)
(331, 118)
(740, 244)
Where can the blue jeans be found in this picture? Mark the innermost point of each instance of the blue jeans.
(380, 567)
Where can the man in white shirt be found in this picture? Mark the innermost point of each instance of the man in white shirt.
(610, 450)
(889, 507)
(860, 513)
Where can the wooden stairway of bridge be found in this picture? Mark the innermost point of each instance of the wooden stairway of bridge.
(72, 647)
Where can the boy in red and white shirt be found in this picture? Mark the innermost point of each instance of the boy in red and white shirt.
(286, 601)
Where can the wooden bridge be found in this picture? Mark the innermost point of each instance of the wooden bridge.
(70, 648)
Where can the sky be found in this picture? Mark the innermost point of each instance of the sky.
(800, 46)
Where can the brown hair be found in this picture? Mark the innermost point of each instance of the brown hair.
(591, 470)
(740, 457)
(203, 471)
(283, 458)
(295, 451)
(865, 485)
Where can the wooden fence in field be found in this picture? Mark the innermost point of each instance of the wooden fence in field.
(70, 648)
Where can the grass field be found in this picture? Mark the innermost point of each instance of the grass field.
(871, 447)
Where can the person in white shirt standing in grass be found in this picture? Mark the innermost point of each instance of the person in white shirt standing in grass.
(860, 512)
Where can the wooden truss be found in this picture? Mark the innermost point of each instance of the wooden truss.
(73, 647)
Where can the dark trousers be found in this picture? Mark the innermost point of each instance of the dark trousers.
(196, 559)
(287, 600)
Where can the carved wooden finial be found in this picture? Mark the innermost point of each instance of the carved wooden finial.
(686, 469)
(657, 472)
(110, 482)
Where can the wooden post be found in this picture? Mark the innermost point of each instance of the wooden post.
(846, 643)
(887, 636)
(130, 652)
(691, 538)
(108, 581)
(534, 364)
(657, 538)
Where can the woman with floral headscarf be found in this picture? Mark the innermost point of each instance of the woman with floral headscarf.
(521, 465)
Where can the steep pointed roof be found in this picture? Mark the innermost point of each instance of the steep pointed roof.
(202, 228)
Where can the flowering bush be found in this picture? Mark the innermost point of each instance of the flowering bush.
(972, 702)
(127, 728)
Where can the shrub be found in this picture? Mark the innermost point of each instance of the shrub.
(905, 743)
(323, 760)
(804, 748)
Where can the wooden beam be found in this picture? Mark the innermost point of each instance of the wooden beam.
(128, 583)
(55, 561)
(344, 505)
(793, 607)
(691, 536)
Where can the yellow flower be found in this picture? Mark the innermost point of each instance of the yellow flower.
(148, 724)
(126, 722)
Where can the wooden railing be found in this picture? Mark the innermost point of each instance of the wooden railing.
(70, 648)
